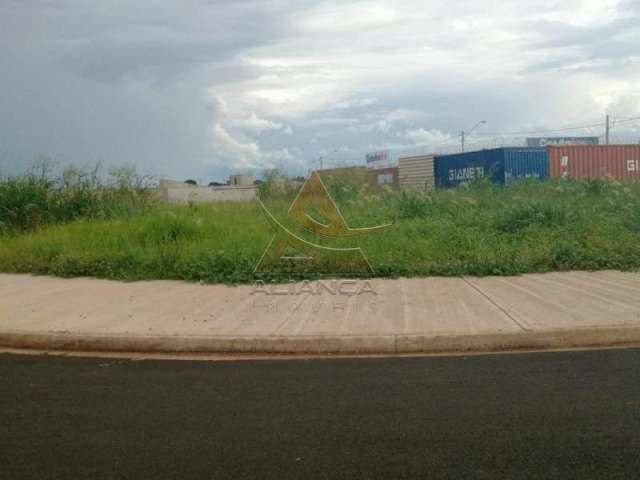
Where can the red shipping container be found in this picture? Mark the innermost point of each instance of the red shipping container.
(620, 162)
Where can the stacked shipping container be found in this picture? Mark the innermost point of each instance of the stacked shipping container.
(503, 165)
(621, 162)
(416, 172)
(500, 165)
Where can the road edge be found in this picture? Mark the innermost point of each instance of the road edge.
(589, 337)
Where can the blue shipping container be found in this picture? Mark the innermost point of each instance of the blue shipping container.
(500, 165)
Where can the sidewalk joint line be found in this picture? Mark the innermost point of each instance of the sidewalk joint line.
(497, 305)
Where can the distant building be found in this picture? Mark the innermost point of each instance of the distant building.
(241, 180)
(353, 175)
(381, 177)
(363, 175)
(173, 191)
(337, 171)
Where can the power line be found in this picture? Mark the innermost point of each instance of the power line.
(619, 120)
(534, 132)
(495, 138)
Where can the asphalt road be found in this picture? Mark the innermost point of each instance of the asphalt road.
(537, 415)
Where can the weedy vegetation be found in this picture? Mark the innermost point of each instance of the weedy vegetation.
(75, 225)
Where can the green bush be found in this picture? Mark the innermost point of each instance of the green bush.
(347, 186)
(413, 204)
(167, 228)
(539, 213)
(74, 228)
(29, 202)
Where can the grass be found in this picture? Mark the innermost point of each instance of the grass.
(30, 202)
(478, 229)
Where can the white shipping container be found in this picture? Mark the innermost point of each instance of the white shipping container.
(416, 172)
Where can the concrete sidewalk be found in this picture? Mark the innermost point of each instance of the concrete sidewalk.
(555, 310)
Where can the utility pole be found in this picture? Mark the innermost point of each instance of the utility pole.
(606, 134)
(322, 157)
(463, 134)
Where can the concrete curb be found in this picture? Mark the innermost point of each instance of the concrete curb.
(305, 345)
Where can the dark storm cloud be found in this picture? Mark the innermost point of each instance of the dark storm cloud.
(123, 83)
(204, 88)
(153, 39)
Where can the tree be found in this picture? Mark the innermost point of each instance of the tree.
(126, 176)
(42, 168)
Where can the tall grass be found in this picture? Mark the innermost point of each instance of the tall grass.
(476, 229)
(32, 201)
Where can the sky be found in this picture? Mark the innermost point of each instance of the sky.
(205, 89)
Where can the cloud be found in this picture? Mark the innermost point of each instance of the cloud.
(234, 137)
(429, 138)
(253, 123)
(205, 88)
(241, 154)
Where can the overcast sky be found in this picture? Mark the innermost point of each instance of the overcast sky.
(202, 89)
